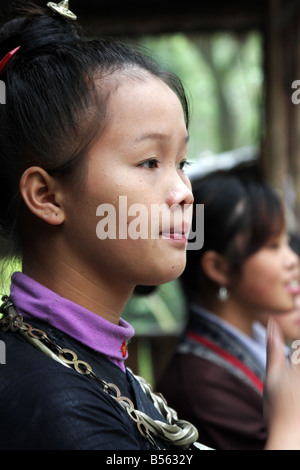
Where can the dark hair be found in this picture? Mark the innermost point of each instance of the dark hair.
(53, 107)
(240, 215)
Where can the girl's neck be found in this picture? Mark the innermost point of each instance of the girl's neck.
(94, 292)
(231, 313)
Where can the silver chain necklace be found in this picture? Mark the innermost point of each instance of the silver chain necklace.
(174, 431)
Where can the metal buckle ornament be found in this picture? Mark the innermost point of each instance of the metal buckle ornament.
(63, 9)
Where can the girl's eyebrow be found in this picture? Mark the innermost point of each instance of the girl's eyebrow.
(157, 136)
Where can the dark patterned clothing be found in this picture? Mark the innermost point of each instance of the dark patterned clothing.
(47, 406)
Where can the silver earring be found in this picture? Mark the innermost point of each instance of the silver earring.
(223, 294)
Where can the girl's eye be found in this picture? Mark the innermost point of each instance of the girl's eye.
(274, 245)
(184, 164)
(154, 163)
(151, 163)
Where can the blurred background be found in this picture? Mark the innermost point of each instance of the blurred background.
(238, 62)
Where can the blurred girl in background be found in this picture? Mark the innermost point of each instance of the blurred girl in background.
(245, 268)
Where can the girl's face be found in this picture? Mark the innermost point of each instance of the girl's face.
(135, 166)
(269, 278)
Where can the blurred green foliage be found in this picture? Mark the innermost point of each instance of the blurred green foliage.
(7, 267)
(223, 76)
(160, 313)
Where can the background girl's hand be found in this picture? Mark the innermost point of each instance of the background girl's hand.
(281, 394)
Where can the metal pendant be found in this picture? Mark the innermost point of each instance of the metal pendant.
(223, 294)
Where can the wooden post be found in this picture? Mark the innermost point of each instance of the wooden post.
(294, 121)
(281, 151)
(275, 149)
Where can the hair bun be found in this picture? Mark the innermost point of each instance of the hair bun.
(34, 27)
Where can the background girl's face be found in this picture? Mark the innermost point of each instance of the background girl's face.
(138, 159)
(269, 278)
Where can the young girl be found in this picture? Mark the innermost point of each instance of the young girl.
(91, 131)
(244, 269)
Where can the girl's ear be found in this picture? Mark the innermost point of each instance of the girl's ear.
(216, 267)
(42, 195)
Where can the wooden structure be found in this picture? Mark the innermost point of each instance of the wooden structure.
(136, 17)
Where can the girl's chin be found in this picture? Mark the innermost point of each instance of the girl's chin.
(163, 277)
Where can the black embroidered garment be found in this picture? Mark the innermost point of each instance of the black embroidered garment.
(47, 406)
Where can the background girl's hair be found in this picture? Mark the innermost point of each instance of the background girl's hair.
(53, 108)
(241, 214)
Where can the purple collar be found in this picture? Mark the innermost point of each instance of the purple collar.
(34, 300)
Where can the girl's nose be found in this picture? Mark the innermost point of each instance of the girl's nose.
(180, 195)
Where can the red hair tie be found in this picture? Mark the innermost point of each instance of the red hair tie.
(6, 59)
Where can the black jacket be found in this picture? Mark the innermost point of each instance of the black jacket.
(46, 406)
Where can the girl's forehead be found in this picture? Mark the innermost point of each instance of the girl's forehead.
(132, 78)
(143, 101)
(110, 81)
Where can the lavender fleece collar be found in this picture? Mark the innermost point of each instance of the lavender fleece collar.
(33, 300)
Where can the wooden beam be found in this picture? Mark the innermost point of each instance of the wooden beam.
(136, 17)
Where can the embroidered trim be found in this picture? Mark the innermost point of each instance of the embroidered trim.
(258, 384)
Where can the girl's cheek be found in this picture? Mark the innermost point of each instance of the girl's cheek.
(259, 285)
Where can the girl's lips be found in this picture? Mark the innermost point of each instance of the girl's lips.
(175, 236)
(293, 287)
